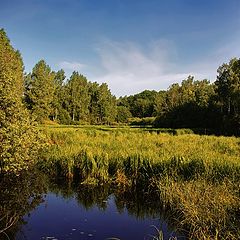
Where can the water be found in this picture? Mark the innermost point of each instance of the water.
(64, 211)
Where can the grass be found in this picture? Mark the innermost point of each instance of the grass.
(197, 177)
(208, 210)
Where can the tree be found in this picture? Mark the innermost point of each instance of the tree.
(106, 104)
(58, 96)
(228, 95)
(141, 104)
(186, 105)
(78, 97)
(123, 114)
(94, 106)
(228, 86)
(160, 103)
(40, 91)
(19, 141)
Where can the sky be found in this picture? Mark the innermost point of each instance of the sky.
(132, 45)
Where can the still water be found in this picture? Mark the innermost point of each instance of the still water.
(49, 209)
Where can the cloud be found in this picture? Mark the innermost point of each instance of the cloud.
(129, 69)
(73, 66)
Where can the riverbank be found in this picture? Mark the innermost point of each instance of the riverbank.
(196, 177)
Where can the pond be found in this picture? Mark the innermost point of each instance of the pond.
(54, 209)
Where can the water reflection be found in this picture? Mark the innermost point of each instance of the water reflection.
(18, 196)
(55, 209)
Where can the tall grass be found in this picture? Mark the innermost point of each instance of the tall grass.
(139, 155)
(208, 210)
(196, 176)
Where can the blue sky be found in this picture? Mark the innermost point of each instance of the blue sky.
(130, 44)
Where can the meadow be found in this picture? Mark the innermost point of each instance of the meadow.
(197, 177)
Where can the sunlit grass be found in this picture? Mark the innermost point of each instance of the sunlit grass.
(102, 152)
(208, 210)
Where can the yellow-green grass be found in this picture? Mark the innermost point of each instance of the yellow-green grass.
(197, 177)
(208, 210)
(102, 152)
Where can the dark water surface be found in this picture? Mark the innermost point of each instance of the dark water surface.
(49, 209)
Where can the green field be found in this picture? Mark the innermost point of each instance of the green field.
(197, 177)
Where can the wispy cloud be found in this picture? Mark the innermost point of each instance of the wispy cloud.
(130, 69)
(73, 66)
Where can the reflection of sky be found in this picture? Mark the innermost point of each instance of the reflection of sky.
(66, 219)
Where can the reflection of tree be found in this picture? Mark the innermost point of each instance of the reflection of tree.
(89, 197)
(86, 196)
(18, 196)
(62, 187)
(138, 204)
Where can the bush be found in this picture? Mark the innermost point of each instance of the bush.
(147, 121)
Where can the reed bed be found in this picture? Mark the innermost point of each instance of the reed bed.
(139, 155)
(197, 177)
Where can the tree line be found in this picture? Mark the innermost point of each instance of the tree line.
(48, 95)
(194, 103)
(199, 104)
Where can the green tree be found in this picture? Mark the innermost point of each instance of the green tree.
(186, 105)
(78, 97)
(160, 103)
(94, 103)
(141, 104)
(228, 86)
(123, 114)
(173, 97)
(228, 95)
(106, 104)
(40, 91)
(19, 141)
(58, 96)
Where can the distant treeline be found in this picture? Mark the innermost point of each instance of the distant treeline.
(197, 104)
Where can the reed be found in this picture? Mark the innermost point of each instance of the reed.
(207, 210)
(105, 153)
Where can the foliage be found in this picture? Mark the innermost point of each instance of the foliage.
(18, 137)
(18, 196)
(123, 114)
(74, 101)
(188, 105)
(58, 97)
(78, 97)
(147, 121)
(228, 96)
(213, 107)
(40, 91)
(140, 105)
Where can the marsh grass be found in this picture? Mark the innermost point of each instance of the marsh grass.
(196, 176)
(139, 155)
(208, 210)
